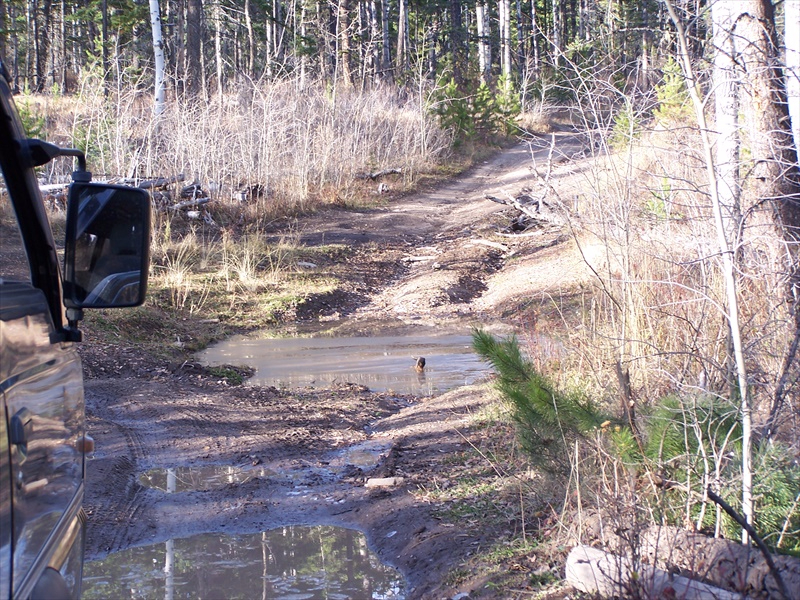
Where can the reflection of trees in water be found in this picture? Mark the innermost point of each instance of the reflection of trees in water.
(190, 479)
(317, 560)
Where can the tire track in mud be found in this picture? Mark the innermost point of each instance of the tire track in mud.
(180, 420)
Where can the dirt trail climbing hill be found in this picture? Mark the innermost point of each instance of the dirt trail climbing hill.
(434, 258)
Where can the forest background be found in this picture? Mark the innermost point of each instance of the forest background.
(684, 375)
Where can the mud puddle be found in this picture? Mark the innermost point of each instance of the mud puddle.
(198, 479)
(290, 562)
(381, 363)
(365, 456)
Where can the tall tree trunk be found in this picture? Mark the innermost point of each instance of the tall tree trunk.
(64, 65)
(775, 174)
(303, 35)
(218, 45)
(374, 36)
(179, 44)
(104, 40)
(343, 42)
(194, 45)
(775, 177)
(791, 39)
(158, 56)
(535, 37)
(433, 46)
(30, 37)
(558, 30)
(269, 29)
(520, 52)
(505, 40)
(280, 31)
(457, 39)
(583, 20)
(727, 115)
(484, 40)
(386, 62)
(728, 272)
(402, 37)
(251, 40)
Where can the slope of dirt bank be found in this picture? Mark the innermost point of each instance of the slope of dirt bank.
(436, 258)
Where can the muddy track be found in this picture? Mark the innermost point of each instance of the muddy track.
(418, 260)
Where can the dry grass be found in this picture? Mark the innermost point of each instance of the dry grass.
(262, 153)
(294, 146)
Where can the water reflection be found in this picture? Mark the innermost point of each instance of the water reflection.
(199, 478)
(380, 363)
(366, 455)
(288, 563)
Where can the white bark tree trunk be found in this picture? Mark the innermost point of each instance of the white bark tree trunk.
(558, 26)
(504, 7)
(484, 43)
(728, 272)
(726, 104)
(158, 53)
(792, 41)
(402, 36)
(251, 42)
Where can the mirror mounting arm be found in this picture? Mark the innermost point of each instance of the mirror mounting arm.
(71, 333)
(37, 153)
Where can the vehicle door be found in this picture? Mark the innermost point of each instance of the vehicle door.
(41, 467)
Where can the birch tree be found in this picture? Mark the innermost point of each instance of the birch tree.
(402, 36)
(484, 40)
(158, 54)
(504, 8)
(727, 113)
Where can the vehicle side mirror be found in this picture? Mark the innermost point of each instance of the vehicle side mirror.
(107, 246)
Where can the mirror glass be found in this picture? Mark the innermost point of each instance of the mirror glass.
(107, 246)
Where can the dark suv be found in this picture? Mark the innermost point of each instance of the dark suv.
(43, 440)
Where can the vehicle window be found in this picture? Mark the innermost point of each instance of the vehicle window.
(13, 260)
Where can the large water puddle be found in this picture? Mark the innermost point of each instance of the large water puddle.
(379, 363)
(289, 563)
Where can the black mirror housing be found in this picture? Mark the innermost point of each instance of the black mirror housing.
(107, 246)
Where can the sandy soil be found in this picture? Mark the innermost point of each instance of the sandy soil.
(437, 258)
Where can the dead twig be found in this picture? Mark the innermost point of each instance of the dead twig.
(756, 538)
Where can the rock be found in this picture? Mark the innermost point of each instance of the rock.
(384, 481)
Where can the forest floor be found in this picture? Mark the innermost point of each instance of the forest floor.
(445, 257)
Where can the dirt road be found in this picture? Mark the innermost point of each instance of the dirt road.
(432, 258)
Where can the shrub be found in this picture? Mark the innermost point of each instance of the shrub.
(548, 420)
(674, 107)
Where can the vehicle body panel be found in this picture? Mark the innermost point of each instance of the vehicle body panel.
(43, 391)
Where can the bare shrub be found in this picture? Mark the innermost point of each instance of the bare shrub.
(653, 338)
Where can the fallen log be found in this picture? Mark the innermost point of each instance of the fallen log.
(160, 182)
(189, 203)
(377, 174)
(52, 187)
(490, 244)
(537, 209)
(596, 572)
(723, 563)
